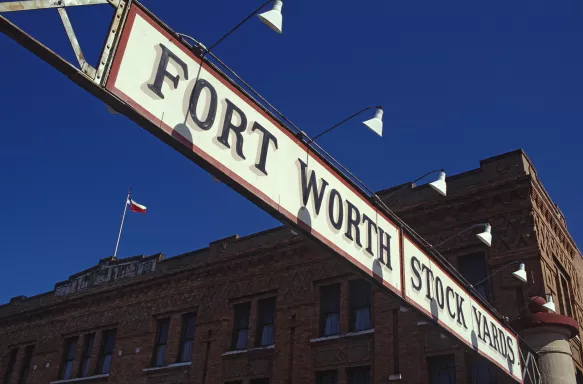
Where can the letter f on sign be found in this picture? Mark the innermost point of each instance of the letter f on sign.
(162, 71)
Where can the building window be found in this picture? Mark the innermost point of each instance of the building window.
(330, 310)
(326, 377)
(10, 366)
(360, 303)
(240, 326)
(161, 340)
(68, 358)
(441, 369)
(358, 375)
(187, 337)
(264, 380)
(106, 353)
(86, 357)
(482, 371)
(563, 291)
(474, 269)
(266, 319)
(28, 351)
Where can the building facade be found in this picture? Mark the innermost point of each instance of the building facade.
(276, 307)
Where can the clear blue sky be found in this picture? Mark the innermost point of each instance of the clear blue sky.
(460, 81)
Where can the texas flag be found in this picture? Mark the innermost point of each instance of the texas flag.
(135, 207)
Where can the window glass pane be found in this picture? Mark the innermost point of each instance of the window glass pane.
(87, 350)
(362, 319)
(106, 364)
(67, 369)
(242, 315)
(267, 335)
(474, 269)
(358, 375)
(85, 368)
(332, 326)
(240, 326)
(189, 326)
(186, 353)
(159, 356)
(331, 298)
(360, 294)
(441, 369)
(241, 339)
(266, 319)
(28, 352)
(482, 371)
(10, 367)
(163, 327)
(326, 377)
(110, 341)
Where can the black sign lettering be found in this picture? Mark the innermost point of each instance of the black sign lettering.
(428, 280)
(415, 266)
(267, 137)
(478, 317)
(370, 226)
(439, 292)
(460, 310)
(334, 200)
(228, 126)
(510, 350)
(311, 187)
(195, 97)
(384, 248)
(353, 221)
(449, 293)
(162, 71)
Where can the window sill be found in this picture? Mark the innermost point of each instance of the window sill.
(342, 336)
(169, 366)
(239, 351)
(81, 379)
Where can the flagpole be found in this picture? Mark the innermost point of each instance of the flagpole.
(125, 207)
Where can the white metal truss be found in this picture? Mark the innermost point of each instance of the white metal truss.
(96, 74)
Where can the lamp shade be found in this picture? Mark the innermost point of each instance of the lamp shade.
(376, 123)
(486, 236)
(439, 185)
(520, 274)
(273, 18)
(550, 305)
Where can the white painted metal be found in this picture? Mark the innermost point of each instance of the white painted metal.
(29, 5)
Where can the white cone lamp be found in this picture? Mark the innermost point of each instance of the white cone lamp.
(376, 123)
(273, 18)
(550, 305)
(439, 185)
(520, 274)
(486, 236)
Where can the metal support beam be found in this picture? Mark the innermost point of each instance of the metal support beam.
(29, 5)
(111, 40)
(83, 64)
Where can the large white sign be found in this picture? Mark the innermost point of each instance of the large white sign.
(430, 289)
(222, 129)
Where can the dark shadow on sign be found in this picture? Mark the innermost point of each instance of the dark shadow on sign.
(304, 219)
(182, 132)
(434, 309)
(510, 365)
(377, 268)
(474, 340)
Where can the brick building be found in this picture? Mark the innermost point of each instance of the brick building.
(275, 307)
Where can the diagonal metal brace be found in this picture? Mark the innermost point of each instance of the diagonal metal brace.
(29, 5)
(83, 64)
